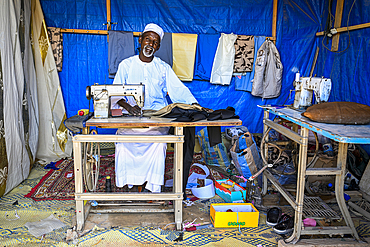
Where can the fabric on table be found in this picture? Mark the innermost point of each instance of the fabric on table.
(223, 63)
(165, 51)
(167, 109)
(184, 47)
(206, 50)
(120, 47)
(244, 53)
(220, 114)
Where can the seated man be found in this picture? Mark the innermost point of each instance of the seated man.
(137, 163)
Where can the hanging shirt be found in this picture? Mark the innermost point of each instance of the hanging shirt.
(165, 51)
(222, 69)
(244, 82)
(184, 46)
(268, 72)
(206, 50)
(120, 47)
(244, 53)
(137, 163)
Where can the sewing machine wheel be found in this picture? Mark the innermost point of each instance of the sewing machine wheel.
(91, 164)
(281, 155)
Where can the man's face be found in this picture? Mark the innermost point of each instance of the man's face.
(150, 43)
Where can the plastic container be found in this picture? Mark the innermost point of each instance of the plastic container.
(206, 192)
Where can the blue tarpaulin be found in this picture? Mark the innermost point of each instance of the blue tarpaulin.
(85, 56)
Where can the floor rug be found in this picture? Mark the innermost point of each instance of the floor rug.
(59, 184)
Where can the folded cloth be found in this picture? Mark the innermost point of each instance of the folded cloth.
(167, 109)
(227, 113)
(185, 115)
(76, 123)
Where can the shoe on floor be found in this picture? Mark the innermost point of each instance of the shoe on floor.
(273, 216)
(285, 226)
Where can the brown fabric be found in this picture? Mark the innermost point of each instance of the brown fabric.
(244, 53)
(56, 41)
(339, 113)
(167, 109)
(3, 153)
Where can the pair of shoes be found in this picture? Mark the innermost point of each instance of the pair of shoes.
(273, 216)
(285, 225)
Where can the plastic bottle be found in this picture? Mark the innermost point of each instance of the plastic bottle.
(108, 185)
(347, 180)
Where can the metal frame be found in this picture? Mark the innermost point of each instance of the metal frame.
(339, 171)
(176, 196)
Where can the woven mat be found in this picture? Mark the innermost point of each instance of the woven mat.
(59, 184)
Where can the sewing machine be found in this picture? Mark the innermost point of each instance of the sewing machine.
(306, 86)
(101, 95)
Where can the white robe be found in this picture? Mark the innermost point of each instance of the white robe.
(140, 162)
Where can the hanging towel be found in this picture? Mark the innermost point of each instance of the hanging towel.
(244, 53)
(268, 72)
(165, 50)
(206, 50)
(184, 46)
(120, 46)
(223, 62)
(56, 41)
(244, 82)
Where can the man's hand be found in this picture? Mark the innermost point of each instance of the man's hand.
(133, 110)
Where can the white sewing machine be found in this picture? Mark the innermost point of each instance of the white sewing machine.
(101, 95)
(305, 87)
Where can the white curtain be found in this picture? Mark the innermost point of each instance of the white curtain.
(54, 139)
(18, 123)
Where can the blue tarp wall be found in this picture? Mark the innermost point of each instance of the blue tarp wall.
(86, 56)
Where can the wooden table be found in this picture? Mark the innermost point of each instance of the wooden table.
(135, 122)
(343, 134)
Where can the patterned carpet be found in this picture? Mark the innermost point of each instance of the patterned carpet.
(13, 231)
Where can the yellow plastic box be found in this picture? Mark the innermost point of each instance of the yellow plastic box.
(243, 214)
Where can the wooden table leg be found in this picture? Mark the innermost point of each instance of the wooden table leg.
(339, 190)
(300, 187)
(80, 215)
(178, 170)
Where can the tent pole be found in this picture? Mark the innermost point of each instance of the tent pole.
(274, 20)
(108, 18)
(345, 29)
(337, 23)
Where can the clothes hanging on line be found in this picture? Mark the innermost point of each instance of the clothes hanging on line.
(244, 82)
(223, 63)
(244, 53)
(268, 72)
(120, 47)
(165, 50)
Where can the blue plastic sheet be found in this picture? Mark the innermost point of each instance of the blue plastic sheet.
(86, 56)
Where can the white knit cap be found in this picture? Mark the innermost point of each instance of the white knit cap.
(154, 28)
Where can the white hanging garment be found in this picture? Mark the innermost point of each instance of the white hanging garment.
(223, 63)
(55, 141)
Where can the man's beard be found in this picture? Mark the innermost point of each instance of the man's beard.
(151, 51)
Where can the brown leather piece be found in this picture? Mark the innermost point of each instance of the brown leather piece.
(339, 113)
